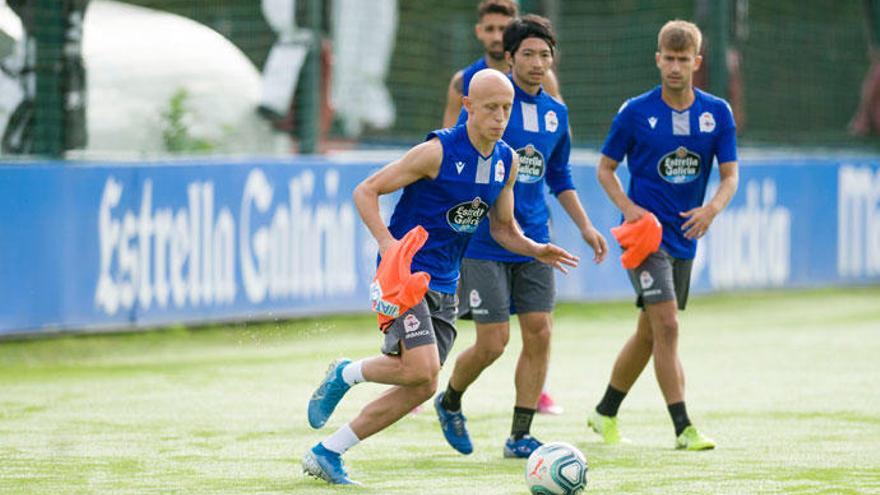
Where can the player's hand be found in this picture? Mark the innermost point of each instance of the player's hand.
(385, 244)
(698, 221)
(596, 241)
(633, 213)
(556, 257)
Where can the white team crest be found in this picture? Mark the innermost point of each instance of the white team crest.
(550, 121)
(475, 299)
(652, 121)
(499, 171)
(646, 279)
(411, 323)
(459, 166)
(707, 122)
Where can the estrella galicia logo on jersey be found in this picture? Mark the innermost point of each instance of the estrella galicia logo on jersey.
(531, 164)
(680, 166)
(464, 217)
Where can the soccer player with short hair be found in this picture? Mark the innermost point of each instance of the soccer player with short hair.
(450, 183)
(493, 278)
(492, 17)
(670, 137)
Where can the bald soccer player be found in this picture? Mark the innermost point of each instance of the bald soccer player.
(451, 183)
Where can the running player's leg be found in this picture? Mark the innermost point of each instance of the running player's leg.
(489, 345)
(534, 359)
(667, 364)
(533, 292)
(485, 292)
(653, 282)
(531, 372)
(414, 352)
(630, 362)
(634, 356)
(670, 375)
(420, 367)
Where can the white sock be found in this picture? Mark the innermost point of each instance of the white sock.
(342, 440)
(353, 373)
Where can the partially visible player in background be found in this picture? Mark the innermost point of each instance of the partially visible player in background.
(450, 183)
(493, 16)
(670, 137)
(493, 278)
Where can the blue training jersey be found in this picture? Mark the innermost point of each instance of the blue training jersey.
(669, 155)
(538, 131)
(452, 205)
(468, 73)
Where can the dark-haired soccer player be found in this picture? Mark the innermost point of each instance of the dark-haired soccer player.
(492, 276)
(670, 137)
(492, 17)
(450, 183)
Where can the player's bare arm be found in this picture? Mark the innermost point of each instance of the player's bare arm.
(453, 99)
(572, 205)
(420, 162)
(699, 219)
(505, 230)
(614, 189)
(551, 84)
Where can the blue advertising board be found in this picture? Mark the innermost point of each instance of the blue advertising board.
(88, 246)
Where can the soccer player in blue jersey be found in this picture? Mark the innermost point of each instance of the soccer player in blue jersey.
(493, 277)
(670, 137)
(492, 17)
(450, 183)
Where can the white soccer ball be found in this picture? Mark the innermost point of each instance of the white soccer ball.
(556, 468)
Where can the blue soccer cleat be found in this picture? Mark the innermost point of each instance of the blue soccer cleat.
(326, 465)
(454, 427)
(521, 448)
(329, 393)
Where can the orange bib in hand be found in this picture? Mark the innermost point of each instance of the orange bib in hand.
(395, 289)
(638, 239)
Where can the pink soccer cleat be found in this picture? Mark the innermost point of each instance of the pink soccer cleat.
(546, 405)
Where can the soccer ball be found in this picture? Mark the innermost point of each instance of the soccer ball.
(556, 468)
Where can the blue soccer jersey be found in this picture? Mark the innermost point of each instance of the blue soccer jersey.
(669, 155)
(468, 73)
(538, 131)
(452, 205)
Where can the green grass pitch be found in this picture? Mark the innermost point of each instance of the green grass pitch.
(786, 382)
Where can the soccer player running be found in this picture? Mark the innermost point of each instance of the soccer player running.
(492, 17)
(669, 136)
(493, 277)
(450, 183)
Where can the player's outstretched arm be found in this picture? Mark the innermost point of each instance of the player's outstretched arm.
(572, 205)
(614, 189)
(453, 99)
(505, 230)
(420, 162)
(699, 219)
